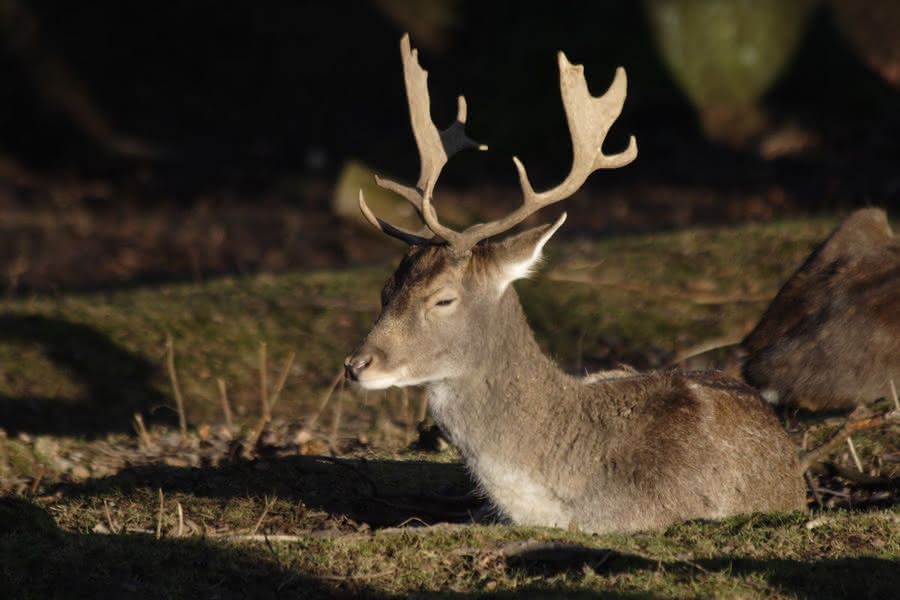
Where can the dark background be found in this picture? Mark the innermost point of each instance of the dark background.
(142, 141)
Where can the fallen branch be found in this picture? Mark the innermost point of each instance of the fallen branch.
(841, 435)
(268, 506)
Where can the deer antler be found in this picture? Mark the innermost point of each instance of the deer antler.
(589, 119)
(435, 148)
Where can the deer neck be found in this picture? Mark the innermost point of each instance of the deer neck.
(506, 384)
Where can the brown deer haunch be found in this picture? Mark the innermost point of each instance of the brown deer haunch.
(831, 337)
(617, 451)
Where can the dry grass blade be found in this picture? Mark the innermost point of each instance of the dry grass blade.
(268, 506)
(159, 516)
(266, 415)
(338, 415)
(703, 348)
(226, 407)
(859, 466)
(141, 430)
(179, 532)
(894, 394)
(334, 383)
(173, 379)
(282, 380)
(113, 526)
(264, 384)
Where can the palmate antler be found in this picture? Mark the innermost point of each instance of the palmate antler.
(589, 119)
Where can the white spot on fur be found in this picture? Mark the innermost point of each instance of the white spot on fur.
(770, 395)
(623, 372)
(523, 269)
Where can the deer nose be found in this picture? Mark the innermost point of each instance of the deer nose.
(354, 365)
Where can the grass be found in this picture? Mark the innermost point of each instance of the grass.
(75, 368)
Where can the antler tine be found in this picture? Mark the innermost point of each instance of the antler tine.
(397, 232)
(435, 148)
(589, 119)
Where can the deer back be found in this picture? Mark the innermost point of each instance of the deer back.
(831, 337)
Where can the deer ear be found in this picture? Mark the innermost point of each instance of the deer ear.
(516, 256)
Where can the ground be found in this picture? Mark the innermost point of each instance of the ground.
(338, 494)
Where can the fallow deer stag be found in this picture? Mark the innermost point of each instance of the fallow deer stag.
(831, 337)
(616, 451)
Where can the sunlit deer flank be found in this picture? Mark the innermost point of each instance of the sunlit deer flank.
(616, 451)
(831, 337)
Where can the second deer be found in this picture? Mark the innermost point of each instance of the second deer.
(831, 337)
(615, 451)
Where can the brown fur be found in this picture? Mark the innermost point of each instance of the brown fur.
(622, 451)
(831, 337)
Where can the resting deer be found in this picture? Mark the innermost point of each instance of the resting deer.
(616, 451)
(831, 337)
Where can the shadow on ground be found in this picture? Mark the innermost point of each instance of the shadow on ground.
(377, 493)
(43, 561)
(115, 382)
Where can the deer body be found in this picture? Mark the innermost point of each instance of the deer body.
(616, 451)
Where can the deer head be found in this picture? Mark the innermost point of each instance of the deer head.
(444, 309)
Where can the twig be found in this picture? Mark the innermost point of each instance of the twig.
(141, 429)
(36, 481)
(159, 515)
(226, 408)
(894, 394)
(703, 348)
(281, 381)
(334, 383)
(355, 577)
(849, 428)
(266, 415)
(268, 506)
(265, 537)
(338, 414)
(814, 489)
(113, 527)
(264, 384)
(862, 478)
(173, 378)
(855, 456)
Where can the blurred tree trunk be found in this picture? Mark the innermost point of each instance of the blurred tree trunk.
(21, 32)
(724, 54)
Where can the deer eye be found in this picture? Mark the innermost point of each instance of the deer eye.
(445, 302)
